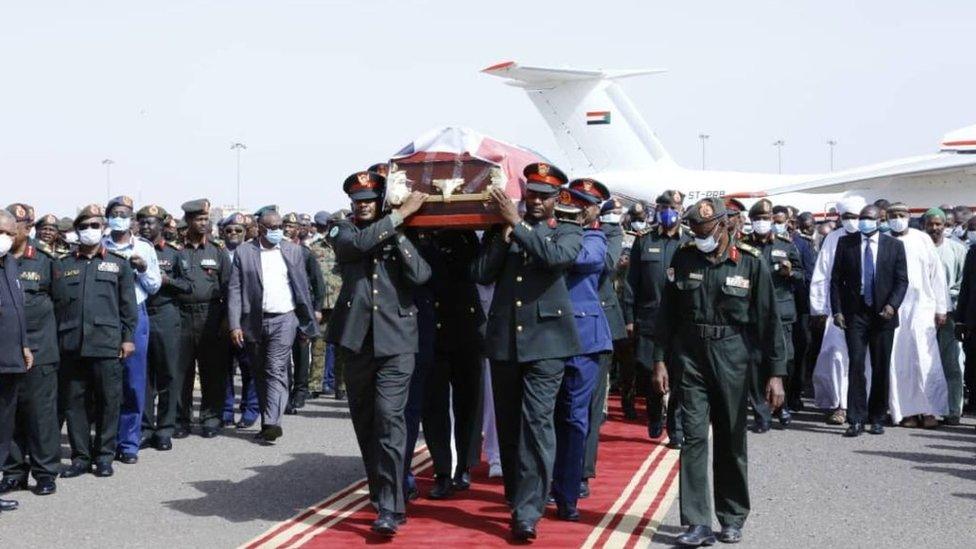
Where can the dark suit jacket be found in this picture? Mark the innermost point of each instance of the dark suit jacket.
(890, 276)
(12, 343)
(246, 290)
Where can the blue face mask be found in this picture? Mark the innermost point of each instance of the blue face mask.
(275, 236)
(779, 228)
(884, 227)
(867, 226)
(118, 224)
(668, 217)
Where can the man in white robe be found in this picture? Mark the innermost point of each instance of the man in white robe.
(830, 371)
(918, 390)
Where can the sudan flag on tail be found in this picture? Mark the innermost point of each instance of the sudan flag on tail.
(597, 117)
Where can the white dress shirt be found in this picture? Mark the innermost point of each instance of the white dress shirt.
(148, 282)
(277, 297)
(873, 242)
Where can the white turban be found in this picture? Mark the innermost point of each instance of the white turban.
(851, 204)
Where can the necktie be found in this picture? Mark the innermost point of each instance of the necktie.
(867, 288)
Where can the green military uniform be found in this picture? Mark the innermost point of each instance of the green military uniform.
(325, 255)
(706, 311)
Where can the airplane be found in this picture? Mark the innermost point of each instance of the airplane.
(604, 137)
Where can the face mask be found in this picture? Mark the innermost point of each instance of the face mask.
(638, 225)
(708, 244)
(886, 226)
(275, 236)
(867, 226)
(850, 225)
(958, 231)
(71, 237)
(610, 218)
(668, 217)
(762, 226)
(779, 228)
(118, 224)
(90, 237)
(6, 242)
(898, 224)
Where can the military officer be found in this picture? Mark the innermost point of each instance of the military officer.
(170, 234)
(232, 230)
(783, 260)
(530, 334)
(35, 449)
(717, 292)
(250, 228)
(203, 342)
(95, 304)
(650, 257)
(375, 325)
(323, 252)
(302, 350)
(162, 373)
(46, 229)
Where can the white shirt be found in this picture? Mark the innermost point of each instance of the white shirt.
(274, 275)
(148, 282)
(873, 242)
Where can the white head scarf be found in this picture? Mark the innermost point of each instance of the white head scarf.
(851, 204)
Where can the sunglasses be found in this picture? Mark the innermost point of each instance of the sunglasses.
(92, 225)
(233, 230)
(272, 227)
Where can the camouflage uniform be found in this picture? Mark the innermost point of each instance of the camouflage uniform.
(325, 255)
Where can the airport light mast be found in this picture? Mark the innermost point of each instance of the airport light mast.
(704, 137)
(779, 144)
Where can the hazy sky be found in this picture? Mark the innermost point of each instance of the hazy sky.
(318, 90)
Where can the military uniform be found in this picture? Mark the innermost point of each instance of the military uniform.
(705, 313)
(96, 311)
(323, 253)
(530, 334)
(36, 445)
(302, 348)
(375, 324)
(203, 335)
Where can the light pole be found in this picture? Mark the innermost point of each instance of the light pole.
(779, 143)
(108, 177)
(830, 144)
(237, 146)
(704, 137)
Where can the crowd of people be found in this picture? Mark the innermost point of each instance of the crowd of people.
(506, 342)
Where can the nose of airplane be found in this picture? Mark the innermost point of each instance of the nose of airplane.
(962, 140)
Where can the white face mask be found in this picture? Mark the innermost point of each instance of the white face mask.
(71, 237)
(706, 245)
(779, 228)
(898, 224)
(610, 218)
(90, 237)
(762, 226)
(6, 242)
(638, 225)
(850, 225)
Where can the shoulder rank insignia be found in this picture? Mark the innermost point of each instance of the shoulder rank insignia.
(785, 238)
(747, 249)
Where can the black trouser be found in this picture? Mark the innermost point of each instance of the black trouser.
(162, 372)
(631, 379)
(36, 447)
(525, 401)
(654, 404)
(864, 331)
(801, 345)
(454, 383)
(203, 349)
(95, 385)
(9, 385)
(301, 361)
(597, 404)
(378, 388)
(969, 373)
(759, 374)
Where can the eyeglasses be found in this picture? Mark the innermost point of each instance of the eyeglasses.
(92, 225)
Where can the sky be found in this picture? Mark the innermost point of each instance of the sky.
(318, 90)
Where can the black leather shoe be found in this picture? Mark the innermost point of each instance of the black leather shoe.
(146, 442)
(8, 505)
(245, 424)
(443, 488)
(401, 518)
(128, 459)
(523, 530)
(299, 402)
(655, 429)
(290, 410)
(876, 429)
(45, 487)
(164, 444)
(785, 417)
(760, 426)
(696, 536)
(181, 432)
(584, 489)
(270, 433)
(340, 394)
(462, 481)
(385, 524)
(209, 432)
(566, 512)
(12, 484)
(76, 469)
(550, 499)
(730, 534)
(104, 470)
(854, 430)
(675, 443)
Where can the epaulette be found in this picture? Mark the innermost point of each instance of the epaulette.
(747, 249)
(217, 242)
(785, 238)
(116, 253)
(689, 244)
(173, 244)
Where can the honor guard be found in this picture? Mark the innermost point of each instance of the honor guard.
(95, 304)
(530, 334)
(375, 326)
(35, 449)
(783, 260)
(162, 372)
(203, 337)
(717, 292)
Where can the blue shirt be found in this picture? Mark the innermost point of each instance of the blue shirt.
(148, 282)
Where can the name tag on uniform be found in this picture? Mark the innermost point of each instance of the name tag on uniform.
(208, 263)
(654, 250)
(107, 267)
(30, 275)
(779, 253)
(71, 272)
(737, 282)
(696, 276)
(165, 263)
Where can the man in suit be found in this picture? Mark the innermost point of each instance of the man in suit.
(15, 354)
(375, 326)
(269, 305)
(867, 285)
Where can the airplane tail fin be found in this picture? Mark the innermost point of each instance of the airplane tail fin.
(593, 120)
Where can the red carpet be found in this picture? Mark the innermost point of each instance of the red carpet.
(635, 484)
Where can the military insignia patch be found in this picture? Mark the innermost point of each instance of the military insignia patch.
(654, 250)
(153, 210)
(208, 263)
(737, 282)
(696, 276)
(362, 178)
(543, 169)
(108, 267)
(33, 276)
(70, 272)
(334, 232)
(779, 253)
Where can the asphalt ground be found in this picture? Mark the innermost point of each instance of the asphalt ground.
(810, 488)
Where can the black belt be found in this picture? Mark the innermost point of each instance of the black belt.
(275, 315)
(713, 332)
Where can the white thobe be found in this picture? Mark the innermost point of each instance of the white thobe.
(917, 382)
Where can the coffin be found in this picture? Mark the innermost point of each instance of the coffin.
(456, 167)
